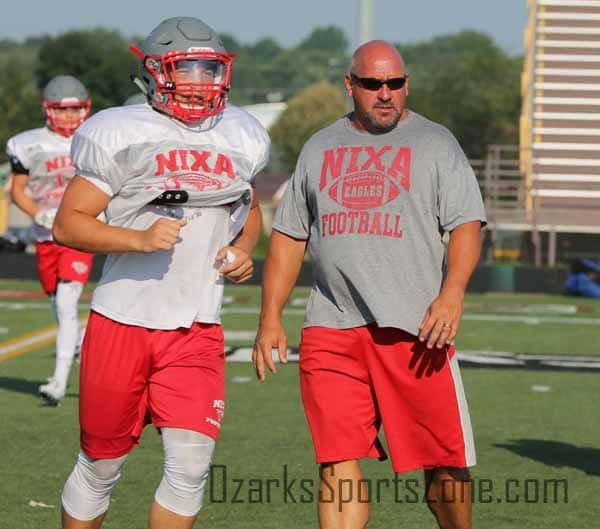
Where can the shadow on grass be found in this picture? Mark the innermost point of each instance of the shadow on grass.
(556, 454)
(20, 385)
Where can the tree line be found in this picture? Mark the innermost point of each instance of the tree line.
(464, 81)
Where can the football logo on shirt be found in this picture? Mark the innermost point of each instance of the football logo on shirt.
(360, 179)
(363, 190)
(199, 182)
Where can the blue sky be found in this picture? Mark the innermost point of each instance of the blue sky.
(286, 21)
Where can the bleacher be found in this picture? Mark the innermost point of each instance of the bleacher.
(550, 184)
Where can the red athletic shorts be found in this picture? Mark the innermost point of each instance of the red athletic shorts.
(56, 262)
(354, 380)
(131, 376)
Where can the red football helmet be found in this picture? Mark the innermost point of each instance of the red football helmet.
(66, 104)
(185, 69)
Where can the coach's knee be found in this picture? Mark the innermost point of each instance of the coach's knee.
(446, 487)
(86, 494)
(187, 465)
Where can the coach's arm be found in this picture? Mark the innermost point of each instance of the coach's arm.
(441, 321)
(282, 267)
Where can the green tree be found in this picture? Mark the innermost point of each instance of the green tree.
(311, 109)
(467, 83)
(463, 80)
(331, 39)
(20, 100)
(98, 58)
(264, 71)
(230, 43)
(265, 49)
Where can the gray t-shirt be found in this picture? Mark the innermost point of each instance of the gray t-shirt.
(374, 209)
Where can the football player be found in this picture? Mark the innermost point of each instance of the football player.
(175, 178)
(42, 168)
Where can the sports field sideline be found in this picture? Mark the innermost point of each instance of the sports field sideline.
(533, 399)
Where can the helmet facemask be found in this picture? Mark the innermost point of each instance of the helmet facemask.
(189, 85)
(62, 124)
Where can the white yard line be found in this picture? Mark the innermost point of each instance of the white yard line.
(532, 320)
(27, 342)
(240, 336)
(20, 305)
(528, 320)
(487, 358)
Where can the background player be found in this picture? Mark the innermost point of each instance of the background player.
(40, 161)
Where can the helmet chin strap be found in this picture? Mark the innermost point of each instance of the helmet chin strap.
(140, 84)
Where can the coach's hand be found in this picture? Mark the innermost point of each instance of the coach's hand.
(442, 319)
(270, 335)
(234, 263)
(162, 235)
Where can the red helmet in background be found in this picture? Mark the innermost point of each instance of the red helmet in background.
(66, 104)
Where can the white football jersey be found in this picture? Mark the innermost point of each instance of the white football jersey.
(46, 155)
(153, 166)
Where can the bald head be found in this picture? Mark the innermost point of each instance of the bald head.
(378, 85)
(371, 55)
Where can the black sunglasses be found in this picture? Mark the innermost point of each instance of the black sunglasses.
(370, 83)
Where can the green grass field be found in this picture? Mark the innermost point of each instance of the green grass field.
(525, 439)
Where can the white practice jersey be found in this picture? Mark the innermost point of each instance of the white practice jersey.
(153, 166)
(46, 157)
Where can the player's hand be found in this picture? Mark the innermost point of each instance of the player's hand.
(45, 217)
(270, 335)
(162, 235)
(440, 324)
(234, 263)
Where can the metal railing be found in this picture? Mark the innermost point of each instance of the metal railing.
(512, 206)
(502, 184)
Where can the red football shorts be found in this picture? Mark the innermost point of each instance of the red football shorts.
(355, 380)
(131, 376)
(56, 262)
